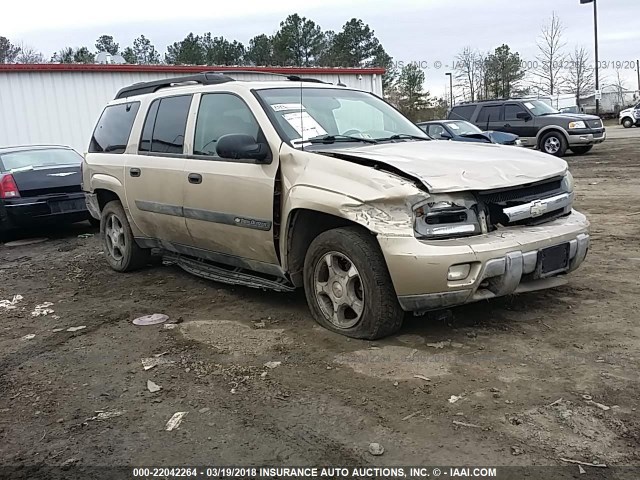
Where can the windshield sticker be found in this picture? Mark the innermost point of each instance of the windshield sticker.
(304, 124)
(281, 107)
(454, 126)
(530, 106)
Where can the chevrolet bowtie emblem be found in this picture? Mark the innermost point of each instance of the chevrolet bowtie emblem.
(538, 208)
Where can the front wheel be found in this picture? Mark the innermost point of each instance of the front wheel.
(120, 248)
(348, 286)
(554, 143)
(627, 123)
(581, 150)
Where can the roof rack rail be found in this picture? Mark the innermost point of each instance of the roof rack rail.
(293, 78)
(528, 97)
(204, 78)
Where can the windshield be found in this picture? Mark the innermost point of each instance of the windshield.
(40, 158)
(463, 128)
(536, 107)
(341, 114)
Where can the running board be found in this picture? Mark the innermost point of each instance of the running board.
(231, 275)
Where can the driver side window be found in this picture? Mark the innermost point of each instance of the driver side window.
(221, 114)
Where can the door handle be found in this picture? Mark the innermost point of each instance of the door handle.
(134, 172)
(507, 125)
(195, 178)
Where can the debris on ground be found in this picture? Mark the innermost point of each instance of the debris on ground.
(153, 387)
(75, 329)
(101, 415)
(150, 362)
(557, 402)
(204, 410)
(454, 398)
(581, 470)
(445, 343)
(42, 310)
(85, 235)
(170, 326)
(412, 415)
(465, 424)
(586, 464)
(272, 365)
(153, 319)
(57, 330)
(10, 304)
(68, 463)
(175, 421)
(601, 406)
(422, 377)
(376, 449)
(28, 336)
(516, 450)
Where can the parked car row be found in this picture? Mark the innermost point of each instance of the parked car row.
(536, 123)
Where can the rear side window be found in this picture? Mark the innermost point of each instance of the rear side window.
(464, 112)
(165, 125)
(489, 114)
(113, 129)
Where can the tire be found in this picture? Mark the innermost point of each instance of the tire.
(554, 143)
(581, 150)
(120, 249)
(368, 305)
(627, 123)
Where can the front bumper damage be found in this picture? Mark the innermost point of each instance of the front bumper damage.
(501, 263)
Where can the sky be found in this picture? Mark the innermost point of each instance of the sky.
(431, 32)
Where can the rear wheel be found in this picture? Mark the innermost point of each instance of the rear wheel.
(120, 248)
(554, 143)
(627, 123)
(581, 150)
(348, 286)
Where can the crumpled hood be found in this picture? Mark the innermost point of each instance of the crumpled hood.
(458, 166)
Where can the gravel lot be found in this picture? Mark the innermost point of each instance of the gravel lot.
(541, 376)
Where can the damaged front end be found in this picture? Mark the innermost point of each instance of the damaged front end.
(465, 214)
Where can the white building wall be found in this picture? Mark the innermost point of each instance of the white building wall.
(52, 107)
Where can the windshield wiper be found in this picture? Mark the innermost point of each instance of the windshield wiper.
(334, 139)
(403, 136)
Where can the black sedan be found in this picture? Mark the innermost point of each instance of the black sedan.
(40, 185)
(461, 131)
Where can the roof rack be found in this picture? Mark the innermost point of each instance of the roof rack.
(529, 97)
(204, 78)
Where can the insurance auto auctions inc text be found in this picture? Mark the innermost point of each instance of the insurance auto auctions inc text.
(376, 472)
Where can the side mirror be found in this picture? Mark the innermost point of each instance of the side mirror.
(445, 136)
(239, 146)
(523, 116)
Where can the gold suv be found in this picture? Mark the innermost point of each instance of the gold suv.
(296, 183)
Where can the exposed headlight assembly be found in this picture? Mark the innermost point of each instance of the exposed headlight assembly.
(447, 216)
(574, 125)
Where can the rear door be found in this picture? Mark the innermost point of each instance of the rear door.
(229, 204)
(490, 118)
(154, 175)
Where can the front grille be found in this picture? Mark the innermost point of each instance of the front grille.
(40, 192)
(595, 123)
(494, 202)
(523, 194)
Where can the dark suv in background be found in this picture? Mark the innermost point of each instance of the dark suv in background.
(536, 123)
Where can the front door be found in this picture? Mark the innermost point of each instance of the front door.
(154, 177)
(524, 128)
(229, 204)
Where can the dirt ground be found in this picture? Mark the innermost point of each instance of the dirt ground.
(540, 376)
